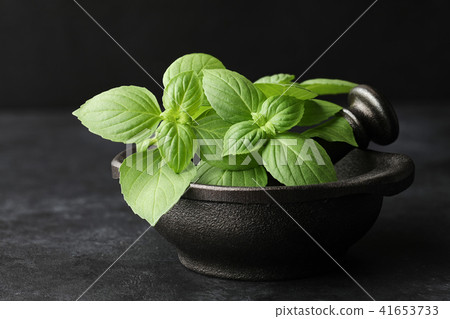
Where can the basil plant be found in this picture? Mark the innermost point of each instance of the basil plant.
(240, 130)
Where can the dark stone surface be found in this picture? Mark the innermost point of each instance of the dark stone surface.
(63, 222)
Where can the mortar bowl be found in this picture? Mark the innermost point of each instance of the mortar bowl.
(282, 232)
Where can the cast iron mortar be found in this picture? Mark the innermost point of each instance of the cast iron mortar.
(241, 233)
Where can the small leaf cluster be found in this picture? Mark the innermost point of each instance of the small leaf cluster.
(241, 131)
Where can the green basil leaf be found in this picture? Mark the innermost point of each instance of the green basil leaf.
(232, 95)
(283, 112)
(210, 175)
(125, 114)
(196, 62)
(334, 130)
(210, 131)
(328, 86)
(243, 138)
(201, 112)
(184, 92)
(272, 89)
(176, 144)
(294, 160)
(280, 78)
(145, 144)
(150, 187)
(317, 111)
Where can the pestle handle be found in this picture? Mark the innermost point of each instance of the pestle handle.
(371, 116)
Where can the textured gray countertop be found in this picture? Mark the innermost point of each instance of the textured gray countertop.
(63, 222)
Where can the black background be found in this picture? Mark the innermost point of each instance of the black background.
(63, 220)
(54, 57)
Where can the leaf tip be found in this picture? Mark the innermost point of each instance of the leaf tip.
(77, 112)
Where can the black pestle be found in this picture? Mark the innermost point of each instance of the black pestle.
(372, 118)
